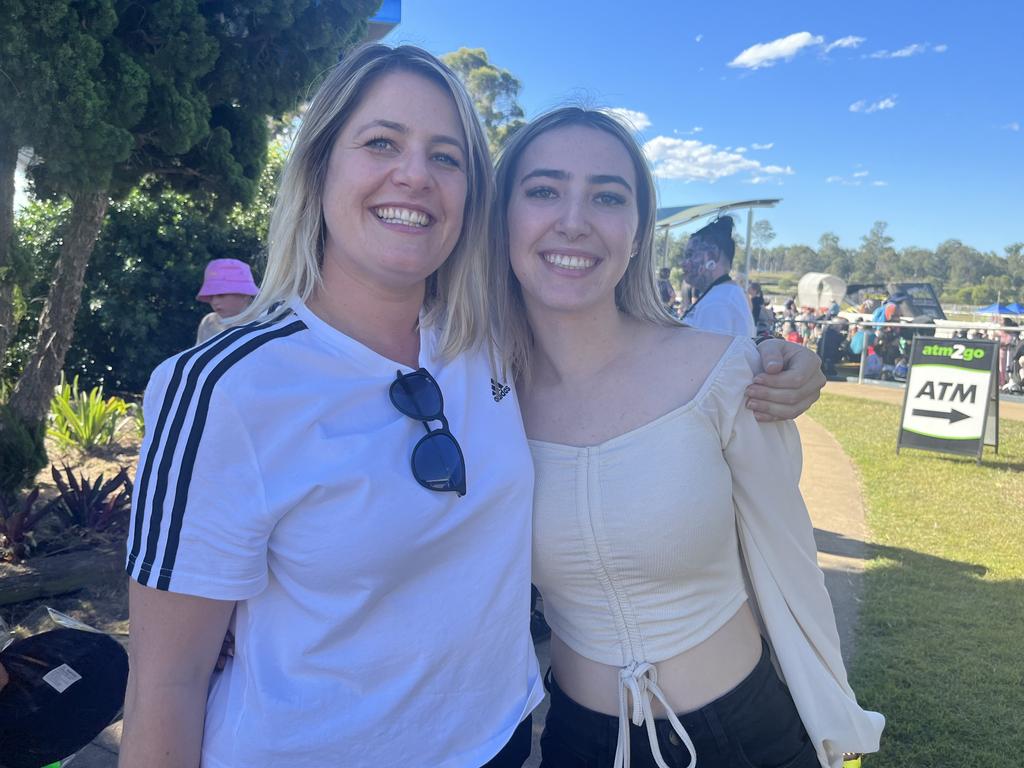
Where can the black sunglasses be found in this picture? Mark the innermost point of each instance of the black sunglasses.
(437, 461)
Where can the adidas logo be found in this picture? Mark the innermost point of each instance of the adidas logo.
(499, 390)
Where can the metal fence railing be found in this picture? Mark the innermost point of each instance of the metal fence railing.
(940, 329)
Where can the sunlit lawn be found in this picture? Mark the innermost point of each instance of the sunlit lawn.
(940, 646)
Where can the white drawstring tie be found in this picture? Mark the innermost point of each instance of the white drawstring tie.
(640, 681)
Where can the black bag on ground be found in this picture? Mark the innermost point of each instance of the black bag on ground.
(65, 687)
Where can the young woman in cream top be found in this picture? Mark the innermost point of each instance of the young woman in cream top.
(664, 513)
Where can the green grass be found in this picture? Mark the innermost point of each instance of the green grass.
(940, 644)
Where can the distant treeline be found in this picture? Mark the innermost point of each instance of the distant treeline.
(961, 274)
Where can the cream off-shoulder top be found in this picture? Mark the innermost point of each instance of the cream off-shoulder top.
(642, 544)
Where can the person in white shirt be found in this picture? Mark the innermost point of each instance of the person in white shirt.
(668, 524)
(721, 304)
(340, 478)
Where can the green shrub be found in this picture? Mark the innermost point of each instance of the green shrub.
(17, 526)
(93, 505)
(84, 419)
(136, 415)
(22, 452)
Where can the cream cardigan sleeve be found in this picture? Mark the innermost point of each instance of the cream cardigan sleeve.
(780, 557)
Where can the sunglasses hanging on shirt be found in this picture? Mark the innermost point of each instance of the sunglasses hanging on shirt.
(437, 460)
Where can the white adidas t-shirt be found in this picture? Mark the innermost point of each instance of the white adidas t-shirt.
(723, 309)
(378, 623)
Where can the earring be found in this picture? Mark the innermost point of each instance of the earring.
(633, 253)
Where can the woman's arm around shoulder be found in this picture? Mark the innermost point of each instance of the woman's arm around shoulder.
(790, 381)
(175, 640)
(788, 587)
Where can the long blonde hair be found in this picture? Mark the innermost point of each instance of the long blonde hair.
(636, 294)
(455, 299)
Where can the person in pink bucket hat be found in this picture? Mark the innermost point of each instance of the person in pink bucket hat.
(228, 287)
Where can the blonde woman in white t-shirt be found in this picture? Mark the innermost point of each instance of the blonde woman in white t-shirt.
(669, 531)
(338, 478)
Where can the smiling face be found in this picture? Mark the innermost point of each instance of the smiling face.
(572, 218)
(395, 189)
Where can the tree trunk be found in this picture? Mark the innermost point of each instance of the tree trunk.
(34, 390)
(58, 575)
(8, 164)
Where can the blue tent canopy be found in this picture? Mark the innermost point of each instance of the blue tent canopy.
(995, 309)
(1016, 308)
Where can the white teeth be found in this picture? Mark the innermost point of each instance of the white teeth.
(405, 216)
(565, 261)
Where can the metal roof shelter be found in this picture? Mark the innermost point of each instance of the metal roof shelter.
(388, 16)
(667, 218)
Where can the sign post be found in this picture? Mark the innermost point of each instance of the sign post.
(951, 403)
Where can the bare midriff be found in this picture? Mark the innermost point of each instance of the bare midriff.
(689, 680)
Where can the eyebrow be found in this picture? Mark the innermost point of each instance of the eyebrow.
(550, 173)
(400, 128)
(609, 178)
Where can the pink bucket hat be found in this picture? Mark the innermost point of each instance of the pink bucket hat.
(227, 276)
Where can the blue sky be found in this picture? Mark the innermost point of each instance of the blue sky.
(911, 113)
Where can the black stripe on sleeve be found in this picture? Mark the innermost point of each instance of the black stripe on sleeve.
(188, 459)
(205, 353)
(142, 484)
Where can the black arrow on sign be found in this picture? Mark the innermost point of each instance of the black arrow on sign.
(954, 415)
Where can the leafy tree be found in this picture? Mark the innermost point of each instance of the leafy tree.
(1015, 265)
(108, 93)
(762, 234)
(138, 302)
(836, 259)
(675, 249)
(876, 256)
(801, 259)
(495, 93)
(922, 264)
(967, 265)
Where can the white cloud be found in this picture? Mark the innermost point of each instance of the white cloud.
(1014, 126)
(693, 160)
(699, 37)
(856, 179)
(769, 145)
(876, 106)
(887, 103)
(850, 41)
(767, 54)
(940, 48)
(637, 121)
(911, 50)
(741, 150)
(697, 129)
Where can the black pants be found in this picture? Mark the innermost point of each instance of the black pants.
(755, 725)
(514, 754)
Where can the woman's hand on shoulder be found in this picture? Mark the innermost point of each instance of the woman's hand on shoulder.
(790, 383)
